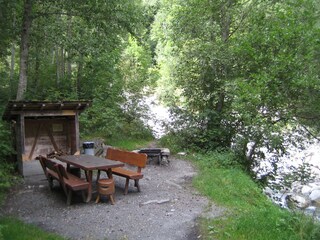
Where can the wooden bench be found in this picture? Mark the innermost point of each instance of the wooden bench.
(68, 181)
(132, 159)
(49, 169)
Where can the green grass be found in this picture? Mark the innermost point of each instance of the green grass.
(250, 215)
(129, 144)
(123, 142)
(13, 229)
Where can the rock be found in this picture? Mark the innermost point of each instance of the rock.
(297, 201)
(155, 201)
(182, 153)
(306, 190)
(310, 210)
(314, 185)
(315, 195)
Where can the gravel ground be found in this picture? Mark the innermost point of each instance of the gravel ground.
(167, 208)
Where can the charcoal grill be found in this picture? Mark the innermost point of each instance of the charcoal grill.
(155, 154)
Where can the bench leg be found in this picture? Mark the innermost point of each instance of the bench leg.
(50, 180)
(136, 184)
(98, 176)
(69, 197)
(126, 187)
(83, 195)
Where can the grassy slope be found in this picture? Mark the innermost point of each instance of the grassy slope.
(251, 215)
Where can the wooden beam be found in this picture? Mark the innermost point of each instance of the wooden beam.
(35, 141)
(55, 146)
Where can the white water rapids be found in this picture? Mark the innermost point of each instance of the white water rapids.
(295, 158)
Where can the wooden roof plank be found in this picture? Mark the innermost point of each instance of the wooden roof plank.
(14, 108)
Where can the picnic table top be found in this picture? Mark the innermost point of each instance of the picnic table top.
(89, 162)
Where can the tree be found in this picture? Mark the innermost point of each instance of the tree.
(24, 48)
(244, 71)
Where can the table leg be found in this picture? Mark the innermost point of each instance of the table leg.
(89, 179)
(109, 173)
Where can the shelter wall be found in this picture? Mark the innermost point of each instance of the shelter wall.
(43, 136)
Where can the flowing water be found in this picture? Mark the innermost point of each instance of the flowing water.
(306, 159)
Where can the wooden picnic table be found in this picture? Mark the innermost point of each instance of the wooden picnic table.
(89, 163)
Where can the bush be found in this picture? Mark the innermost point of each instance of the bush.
(5, 142)
(6, 168)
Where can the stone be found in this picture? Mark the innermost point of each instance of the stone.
(315, 195)
(314, 185)
(306, 190)
(298, 201)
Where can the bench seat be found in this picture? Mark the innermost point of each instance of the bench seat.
(68, 181)
(127, 173)
(132, 159)
(75, 183)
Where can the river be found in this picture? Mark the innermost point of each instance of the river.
(301, 164)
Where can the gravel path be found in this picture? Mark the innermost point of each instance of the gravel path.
(166, 208)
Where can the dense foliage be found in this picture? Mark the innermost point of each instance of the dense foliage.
(240, 74)
(6, 166)
(86, 50)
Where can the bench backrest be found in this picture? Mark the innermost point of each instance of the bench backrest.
(132, 158)
(47, 164)
(62, 172)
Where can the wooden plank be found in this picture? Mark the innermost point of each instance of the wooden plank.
(35, 141)
(46, 113)
(49, 132)
(20, 137)
(76, 139)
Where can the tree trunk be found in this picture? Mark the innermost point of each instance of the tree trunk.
(80, 66)
(37, 68)
(12, 62)
(57, 67)
(24, 49)
(69, 34)
(13, 53)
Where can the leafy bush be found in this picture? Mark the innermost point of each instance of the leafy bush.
(6, 168)
(5, 141)
(173, 140)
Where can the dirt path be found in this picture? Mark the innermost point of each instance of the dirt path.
(166, 208)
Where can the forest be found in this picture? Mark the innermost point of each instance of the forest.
(237, 75)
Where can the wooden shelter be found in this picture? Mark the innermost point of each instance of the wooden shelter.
(41, 127)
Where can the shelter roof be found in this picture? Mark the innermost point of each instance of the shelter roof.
(15, 108)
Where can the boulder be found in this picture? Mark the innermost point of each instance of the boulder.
(297, 201)
(306, 190)
(315, 195)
